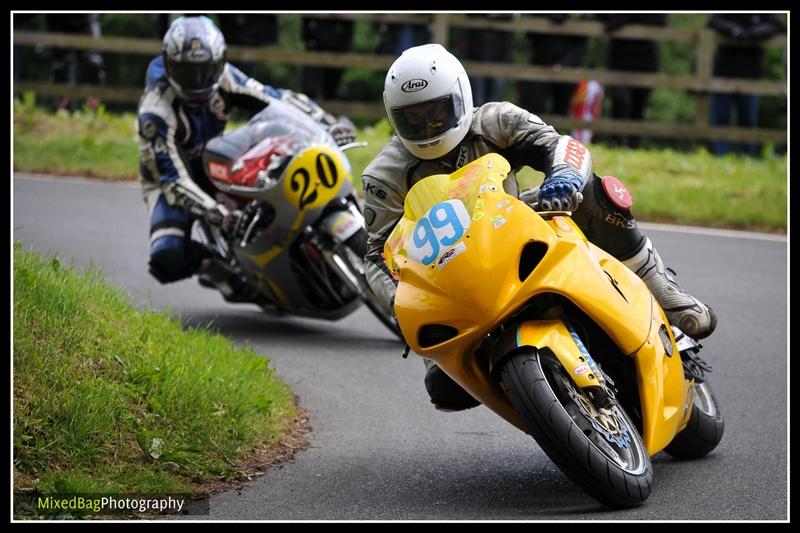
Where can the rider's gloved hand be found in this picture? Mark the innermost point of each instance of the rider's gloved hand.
(561, 191)
(257, 214)
(343, 131)
(223, 218)
(231, 224)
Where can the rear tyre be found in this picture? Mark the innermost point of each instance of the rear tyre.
(704, 430)
(598, 449)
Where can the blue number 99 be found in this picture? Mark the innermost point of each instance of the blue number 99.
(424, 234)
(444, 215)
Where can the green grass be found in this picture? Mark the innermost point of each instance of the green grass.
(696, 188)
(668, 186)
(108, 398)
(86, 143)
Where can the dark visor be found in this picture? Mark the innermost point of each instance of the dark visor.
(196, 77)
(427, 120)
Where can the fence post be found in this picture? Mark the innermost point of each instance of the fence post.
(706, 44)
(441, 29)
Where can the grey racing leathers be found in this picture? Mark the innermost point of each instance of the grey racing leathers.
(523, 139)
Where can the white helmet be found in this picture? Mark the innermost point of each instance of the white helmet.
(428, 100)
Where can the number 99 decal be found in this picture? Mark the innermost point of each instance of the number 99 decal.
(442, 226)
(314, 178)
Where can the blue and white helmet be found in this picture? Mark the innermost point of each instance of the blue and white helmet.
(428, 100)
(194, 58)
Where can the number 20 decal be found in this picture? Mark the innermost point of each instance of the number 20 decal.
(302, 181)
(314, 177)
(441, 227)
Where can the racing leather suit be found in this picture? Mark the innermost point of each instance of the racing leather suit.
(523, 139)
(171, 138)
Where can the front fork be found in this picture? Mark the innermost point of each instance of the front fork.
(333, 231)
(559, 337)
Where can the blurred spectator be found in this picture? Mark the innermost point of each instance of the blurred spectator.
(551, 50)
(328, 35)
(76, 66)
(636, 55)
(586, 104)
(739, 61)
(249, 29)
(395, 38)
(492, 46)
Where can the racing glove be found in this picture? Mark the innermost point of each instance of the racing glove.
(343, 131)
(561, 191)
(226, 220)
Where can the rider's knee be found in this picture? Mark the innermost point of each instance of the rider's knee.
(606, 219)
(172, 260)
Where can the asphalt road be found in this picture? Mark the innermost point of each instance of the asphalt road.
(379, 451)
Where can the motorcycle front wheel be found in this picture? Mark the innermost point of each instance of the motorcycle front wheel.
(598, 448)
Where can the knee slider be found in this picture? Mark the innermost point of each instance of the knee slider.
(616, 194)
(606, 217)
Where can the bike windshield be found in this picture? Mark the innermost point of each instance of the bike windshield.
(260, 151)
(280, 119)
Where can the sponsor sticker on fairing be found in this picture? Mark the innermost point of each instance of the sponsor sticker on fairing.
(450, 254)
(218, 170)
(497, 221)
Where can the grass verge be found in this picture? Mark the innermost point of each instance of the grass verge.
(111, 399)
(694, 188)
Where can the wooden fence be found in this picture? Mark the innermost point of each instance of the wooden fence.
(700, 84)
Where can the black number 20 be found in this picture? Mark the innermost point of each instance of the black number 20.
(328, 177)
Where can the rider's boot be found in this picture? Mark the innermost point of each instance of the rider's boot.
(214, 274)
(683, 310)
(446, 395)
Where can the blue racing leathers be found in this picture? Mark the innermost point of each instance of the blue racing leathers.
(171, 137)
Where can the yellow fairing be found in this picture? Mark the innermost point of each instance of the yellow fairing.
(457, 253)
(666, 395)
(664, 392)
(476, 289)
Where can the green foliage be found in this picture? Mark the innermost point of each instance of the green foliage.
(367, 85)
(696, 188)
(104, 144)
(110, 397)
(86, 142)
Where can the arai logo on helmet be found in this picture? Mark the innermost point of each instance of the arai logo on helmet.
(197, 52)
(412, 86)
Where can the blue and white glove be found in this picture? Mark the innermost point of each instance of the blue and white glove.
(343, 131)
(561, 191)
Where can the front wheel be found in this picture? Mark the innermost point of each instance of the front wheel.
(355, 249)
(705, 427)
(598, 448)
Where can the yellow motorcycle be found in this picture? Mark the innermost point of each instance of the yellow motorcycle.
(548, 331)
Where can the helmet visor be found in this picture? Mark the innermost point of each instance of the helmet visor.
(427, 120)
(195, 77)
